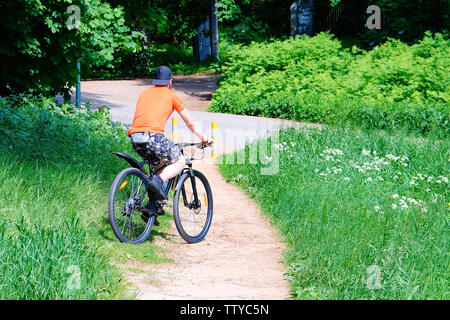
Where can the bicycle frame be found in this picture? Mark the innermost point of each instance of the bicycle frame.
(172, 182)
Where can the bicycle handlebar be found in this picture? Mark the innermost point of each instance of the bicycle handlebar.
(199, 145)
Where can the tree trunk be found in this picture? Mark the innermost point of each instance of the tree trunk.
(302, 21)
(214, 31)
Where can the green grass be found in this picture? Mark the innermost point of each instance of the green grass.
(56, 171)
(364, 214)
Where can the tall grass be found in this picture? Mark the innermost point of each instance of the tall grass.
(44, 263)
(56, 169)
(364, 214)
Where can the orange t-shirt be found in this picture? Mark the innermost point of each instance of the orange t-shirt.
(153, 108)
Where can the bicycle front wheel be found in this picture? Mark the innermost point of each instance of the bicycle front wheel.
(193, 206)
(127, 197)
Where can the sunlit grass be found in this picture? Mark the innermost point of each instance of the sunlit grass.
(54, 187)
(365, 215)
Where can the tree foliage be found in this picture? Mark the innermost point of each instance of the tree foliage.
(39, 52)
(164, 20)
(407, 20)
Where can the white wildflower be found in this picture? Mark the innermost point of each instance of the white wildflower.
(392, 157)
(336, 170)
(403, 204)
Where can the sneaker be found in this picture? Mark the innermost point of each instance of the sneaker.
(149, 209)
(156, 187)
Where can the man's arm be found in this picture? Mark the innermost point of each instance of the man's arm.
(193, 125)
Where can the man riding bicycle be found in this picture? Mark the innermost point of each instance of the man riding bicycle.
(154, 107)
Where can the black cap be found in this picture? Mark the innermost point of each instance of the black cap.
(163, 75)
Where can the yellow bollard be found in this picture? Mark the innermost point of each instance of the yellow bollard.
(214, 138)
(174, 128)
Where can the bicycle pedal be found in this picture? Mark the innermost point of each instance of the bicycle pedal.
(163, 203)
(160, 212)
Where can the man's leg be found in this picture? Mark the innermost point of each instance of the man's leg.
(168, 152)
(169, 172)
(172, 170)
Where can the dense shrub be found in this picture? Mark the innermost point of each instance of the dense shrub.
(317, 80)
(38, 129)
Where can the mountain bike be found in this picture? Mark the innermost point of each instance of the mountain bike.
(192, 201)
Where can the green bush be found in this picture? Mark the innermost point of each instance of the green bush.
(317, 80)
(38, 129)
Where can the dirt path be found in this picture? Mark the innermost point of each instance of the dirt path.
(240, 257)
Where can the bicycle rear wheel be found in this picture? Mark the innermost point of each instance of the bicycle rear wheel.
(193, 207)
(127, 197)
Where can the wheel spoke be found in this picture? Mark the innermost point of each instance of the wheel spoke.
(192, 214)
(128, 200)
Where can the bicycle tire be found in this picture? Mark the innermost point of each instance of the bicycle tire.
(111, 210)
(176, 214)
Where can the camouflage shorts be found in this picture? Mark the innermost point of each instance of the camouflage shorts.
(164, 149)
